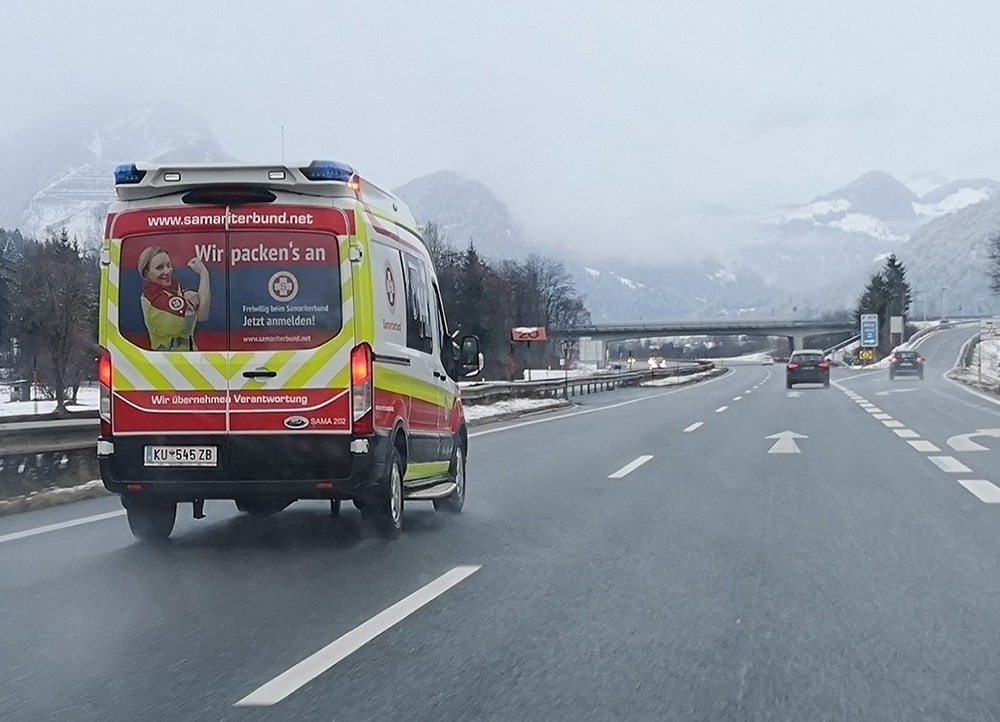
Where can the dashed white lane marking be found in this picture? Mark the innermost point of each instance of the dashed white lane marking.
(721, 409)
(311, 667)
(882, 416)
(985, 490)
(692, 427)
(737, 398)
(907, 434)
(61, 525)
(875, 410)
(949, 464)
(924, 446)
(893, 424)
(630, 467)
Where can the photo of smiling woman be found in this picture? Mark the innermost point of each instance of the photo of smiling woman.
(169, 311)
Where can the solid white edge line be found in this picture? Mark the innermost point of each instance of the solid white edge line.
(583, 412)
(984, 490)
(949, 464)
(61, 525)
(316, 664)
(630, 467)
(694, 426)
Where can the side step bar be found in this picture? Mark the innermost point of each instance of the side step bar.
(437, 491)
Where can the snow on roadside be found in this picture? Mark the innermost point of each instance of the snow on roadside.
(511, 406)
(678, 380)
(88, 398)
(989, 352)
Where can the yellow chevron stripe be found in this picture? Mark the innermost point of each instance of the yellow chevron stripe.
(182, 363)
(398, 382)
(326, 355)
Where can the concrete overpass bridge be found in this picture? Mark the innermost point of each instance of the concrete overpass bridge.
(797, 332)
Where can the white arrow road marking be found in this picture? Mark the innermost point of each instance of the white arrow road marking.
(949, 464)
(986, 491)
(629, 468)
(894, 391)
(692, 427)
(964, 442)
(312, 667)
(785, 443)
(924, 446)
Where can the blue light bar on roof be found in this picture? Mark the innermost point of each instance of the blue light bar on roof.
(128, 174)
(328, 170)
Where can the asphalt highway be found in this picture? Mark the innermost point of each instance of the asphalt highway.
(724, 551)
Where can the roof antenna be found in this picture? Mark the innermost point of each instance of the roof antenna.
(282, 145)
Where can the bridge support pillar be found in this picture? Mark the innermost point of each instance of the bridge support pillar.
(594, 351)
(796, 342)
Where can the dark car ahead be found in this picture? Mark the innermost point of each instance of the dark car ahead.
(906, 363)
(807, 367)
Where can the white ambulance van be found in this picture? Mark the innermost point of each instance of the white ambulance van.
(272, 333)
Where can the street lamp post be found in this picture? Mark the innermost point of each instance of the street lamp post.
(943, 289)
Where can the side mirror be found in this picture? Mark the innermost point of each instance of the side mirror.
(470, 359)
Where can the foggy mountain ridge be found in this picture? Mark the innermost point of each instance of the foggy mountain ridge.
(60, 174)
(814, 257)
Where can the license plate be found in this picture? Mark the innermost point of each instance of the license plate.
(181, 456)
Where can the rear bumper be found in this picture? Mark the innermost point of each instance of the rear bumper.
(808, 377)
(312, 466)
(911, 371)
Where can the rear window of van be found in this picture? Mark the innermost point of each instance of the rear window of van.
(242, 291)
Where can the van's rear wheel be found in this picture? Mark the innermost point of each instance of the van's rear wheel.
(390, 510)
(456, 501)
(151, 522)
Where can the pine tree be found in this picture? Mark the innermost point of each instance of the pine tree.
(886, 294)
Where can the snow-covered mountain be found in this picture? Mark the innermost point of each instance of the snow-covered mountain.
(813, 257)
(840, 236)
(59, 174)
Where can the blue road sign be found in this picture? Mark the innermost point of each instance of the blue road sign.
(869, 330)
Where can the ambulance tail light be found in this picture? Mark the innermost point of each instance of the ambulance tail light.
(362, 390)
(104, 376)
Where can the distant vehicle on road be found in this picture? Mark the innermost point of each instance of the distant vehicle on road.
(768, 360)
(807, 367)
(906, 363)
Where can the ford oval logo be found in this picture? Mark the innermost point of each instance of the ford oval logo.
(296, 422)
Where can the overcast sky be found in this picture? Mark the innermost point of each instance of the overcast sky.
(563, 108)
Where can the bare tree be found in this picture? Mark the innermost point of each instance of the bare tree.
(56, 310)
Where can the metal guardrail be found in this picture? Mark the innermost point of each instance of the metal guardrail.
(573, 386)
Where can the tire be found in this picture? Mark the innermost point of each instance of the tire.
(456, 501)
(151, 523)
(390, 510)
(826, 384)
(789, 384)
